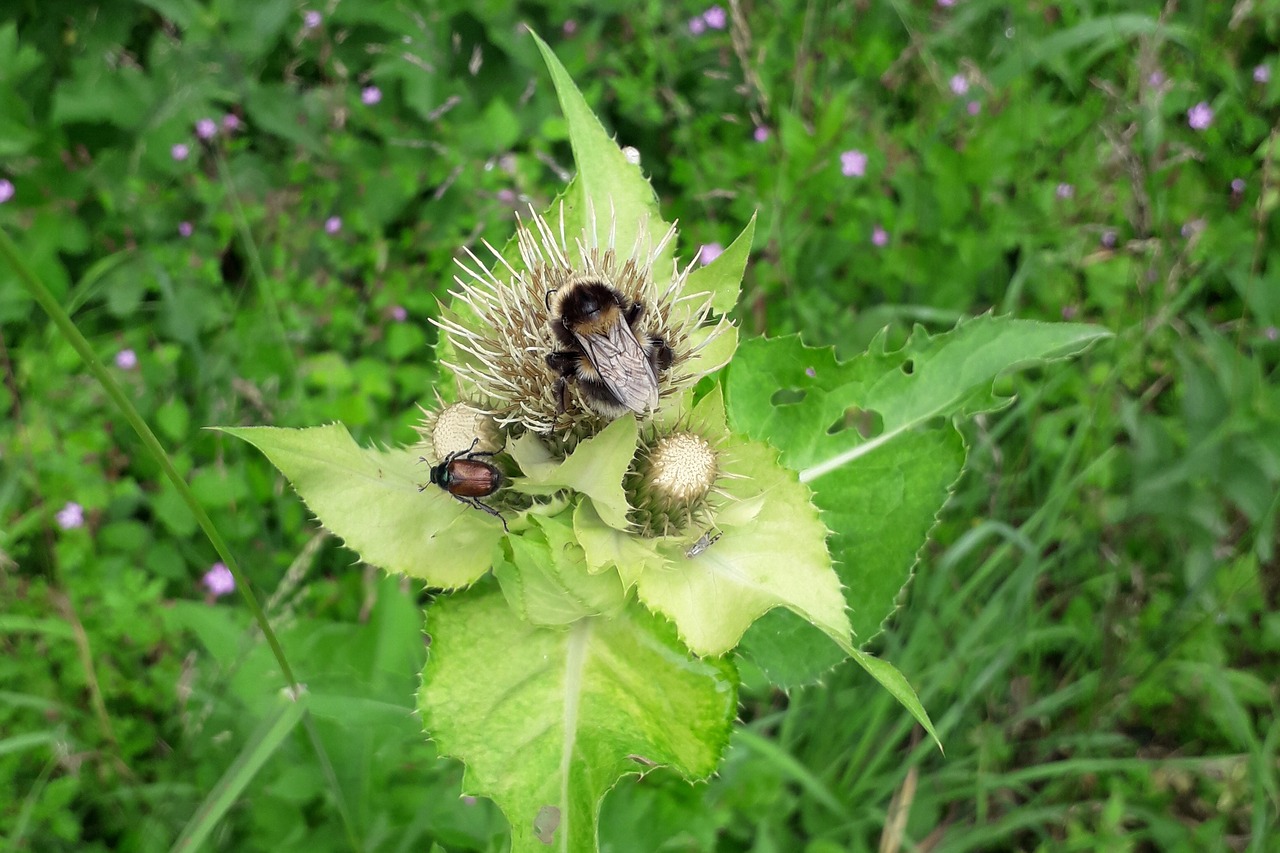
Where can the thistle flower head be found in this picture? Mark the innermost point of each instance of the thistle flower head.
(501, 334)
(674, 476)
(454, 428)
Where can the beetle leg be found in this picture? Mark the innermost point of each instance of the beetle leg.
(479, 504)
(472, 454)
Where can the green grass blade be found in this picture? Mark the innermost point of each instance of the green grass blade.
(788, 765)
(30, 740)
(260, 747)
(42, 295)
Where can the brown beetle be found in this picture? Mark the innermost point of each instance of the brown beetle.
(468, 478)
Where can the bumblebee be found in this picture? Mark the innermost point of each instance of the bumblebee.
(613, 361)
(468, 478)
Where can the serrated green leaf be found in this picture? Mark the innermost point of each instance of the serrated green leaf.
(772, 554)
(890, 679)
(930, 377)
(713, 347)
(558, 716)
(881, 518)
(609, 195)
(608, 547)
(595, 468)
(547, 580)
(871, 437)
(788, 650)
(371, 499)
(721, 280)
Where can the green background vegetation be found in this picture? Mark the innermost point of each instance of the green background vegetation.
(1094, 629)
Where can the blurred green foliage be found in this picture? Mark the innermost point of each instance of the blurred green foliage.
(1095, 630)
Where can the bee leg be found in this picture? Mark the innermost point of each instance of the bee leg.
(566, 364)
(560, 390)
(563, 362)
(660, 355)
(633, 314)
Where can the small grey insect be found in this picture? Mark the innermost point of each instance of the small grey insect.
(704, 542)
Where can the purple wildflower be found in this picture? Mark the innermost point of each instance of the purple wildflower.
(1069, 312)
(959, 84)
(1237, 185)
(974, 107)
(6, 190)
(879, 236)
(333, 225)
(1271, 333)
(697, 26)
(399, 314)
(761, 133)
(1065, 191)
(370, 95)
(570, 27)
(946, 4)
(231, 122)
(709, 252)
(219, 580)
(853, 163)
(179, 151)
(70, 516)
(126, 359)
(1262, 74)
(206, 128)
(1200, 116)
(186, 229)
(715, 17)
(311, 19)
(1156, 79)
(1109, 238)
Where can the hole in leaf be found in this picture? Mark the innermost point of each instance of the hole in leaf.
(868, 422)
(788, 396)
(909, 366)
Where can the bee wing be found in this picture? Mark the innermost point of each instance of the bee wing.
(623, 367)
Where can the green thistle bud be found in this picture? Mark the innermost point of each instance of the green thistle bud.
(674, 476)
(454, 428)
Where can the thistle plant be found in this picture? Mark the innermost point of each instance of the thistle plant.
(594, 627)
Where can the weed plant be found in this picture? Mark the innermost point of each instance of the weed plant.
(250, 210)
